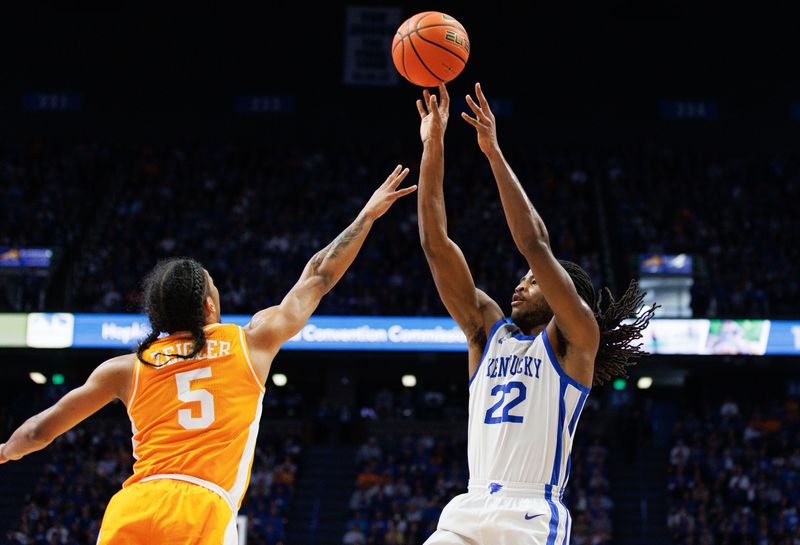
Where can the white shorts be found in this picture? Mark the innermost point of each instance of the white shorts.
(494, 513)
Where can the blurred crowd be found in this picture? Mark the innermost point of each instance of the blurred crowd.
(402, 486)
(254, 215)
(588, 492)
(405, 481)
(83, 469)
(733, 213)
(734, 475)
(87, 465)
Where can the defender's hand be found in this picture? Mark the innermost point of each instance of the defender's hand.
(385, 196)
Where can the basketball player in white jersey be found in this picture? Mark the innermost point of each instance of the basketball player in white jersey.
(530, 374)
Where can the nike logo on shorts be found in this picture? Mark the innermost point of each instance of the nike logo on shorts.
(533, 517)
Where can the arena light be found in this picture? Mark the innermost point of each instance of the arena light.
(279, 379)
(644, 383)
(58, 379)
(37, 377)
(620, 383)
(409, 381)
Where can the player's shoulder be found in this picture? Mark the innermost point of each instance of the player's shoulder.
(115, 373)
(490, 310)
(491, 316)
(125, 362)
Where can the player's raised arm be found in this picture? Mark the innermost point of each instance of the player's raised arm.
(108, 382)
(473, 310)
(271, 327)
(573, 317)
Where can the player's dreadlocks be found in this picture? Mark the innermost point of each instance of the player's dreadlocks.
(616, 351)
(173, 297)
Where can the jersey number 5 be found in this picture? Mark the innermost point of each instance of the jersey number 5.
(502, 390)
(187, 395)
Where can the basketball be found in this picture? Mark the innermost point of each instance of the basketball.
(430, 47)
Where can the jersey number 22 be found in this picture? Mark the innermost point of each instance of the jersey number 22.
(502, 390)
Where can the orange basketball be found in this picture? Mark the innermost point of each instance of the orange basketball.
(430, 47)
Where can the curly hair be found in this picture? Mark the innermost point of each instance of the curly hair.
(173, 295)
(616, 351)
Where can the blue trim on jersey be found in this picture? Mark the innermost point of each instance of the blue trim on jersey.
(559, 370)
(494, 329)
(548, 496)
(562, 415)
(566, 526)
(572, 422)
(569, 465)
(577, 413)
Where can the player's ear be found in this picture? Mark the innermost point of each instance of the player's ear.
(209, 307)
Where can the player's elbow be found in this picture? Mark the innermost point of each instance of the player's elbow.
(427, 245)
(36, 432)
(534, 235)
(322, 282)
(33, 434)
(433, 245)
(535, 245)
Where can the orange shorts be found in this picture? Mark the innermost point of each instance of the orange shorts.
(167, 512)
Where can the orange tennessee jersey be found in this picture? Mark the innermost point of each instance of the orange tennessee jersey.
(197, 418)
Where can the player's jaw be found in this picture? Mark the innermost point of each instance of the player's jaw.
(529, 310)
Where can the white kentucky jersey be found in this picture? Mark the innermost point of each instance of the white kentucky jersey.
(523, 410)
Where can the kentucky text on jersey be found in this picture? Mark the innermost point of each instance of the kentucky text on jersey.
(513, 366)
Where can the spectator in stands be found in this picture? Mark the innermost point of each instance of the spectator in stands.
(673, 201)
(87, 465)
(736, 485)
(404, 482)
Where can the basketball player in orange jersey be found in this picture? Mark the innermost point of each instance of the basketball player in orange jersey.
(194, 396)
(530, 374)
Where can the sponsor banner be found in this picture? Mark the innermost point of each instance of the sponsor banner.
(320, 333)
(429, 334)
(784, 338)
(707, 337)
(680, 264)
(368, 333)
(25, 257)
(675, 337)
(50, 330)
(109, 330)
(12, 329)
(737, 337)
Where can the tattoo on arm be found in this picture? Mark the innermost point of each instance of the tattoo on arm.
(332, 250)
(346, 237)
(317, 260)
